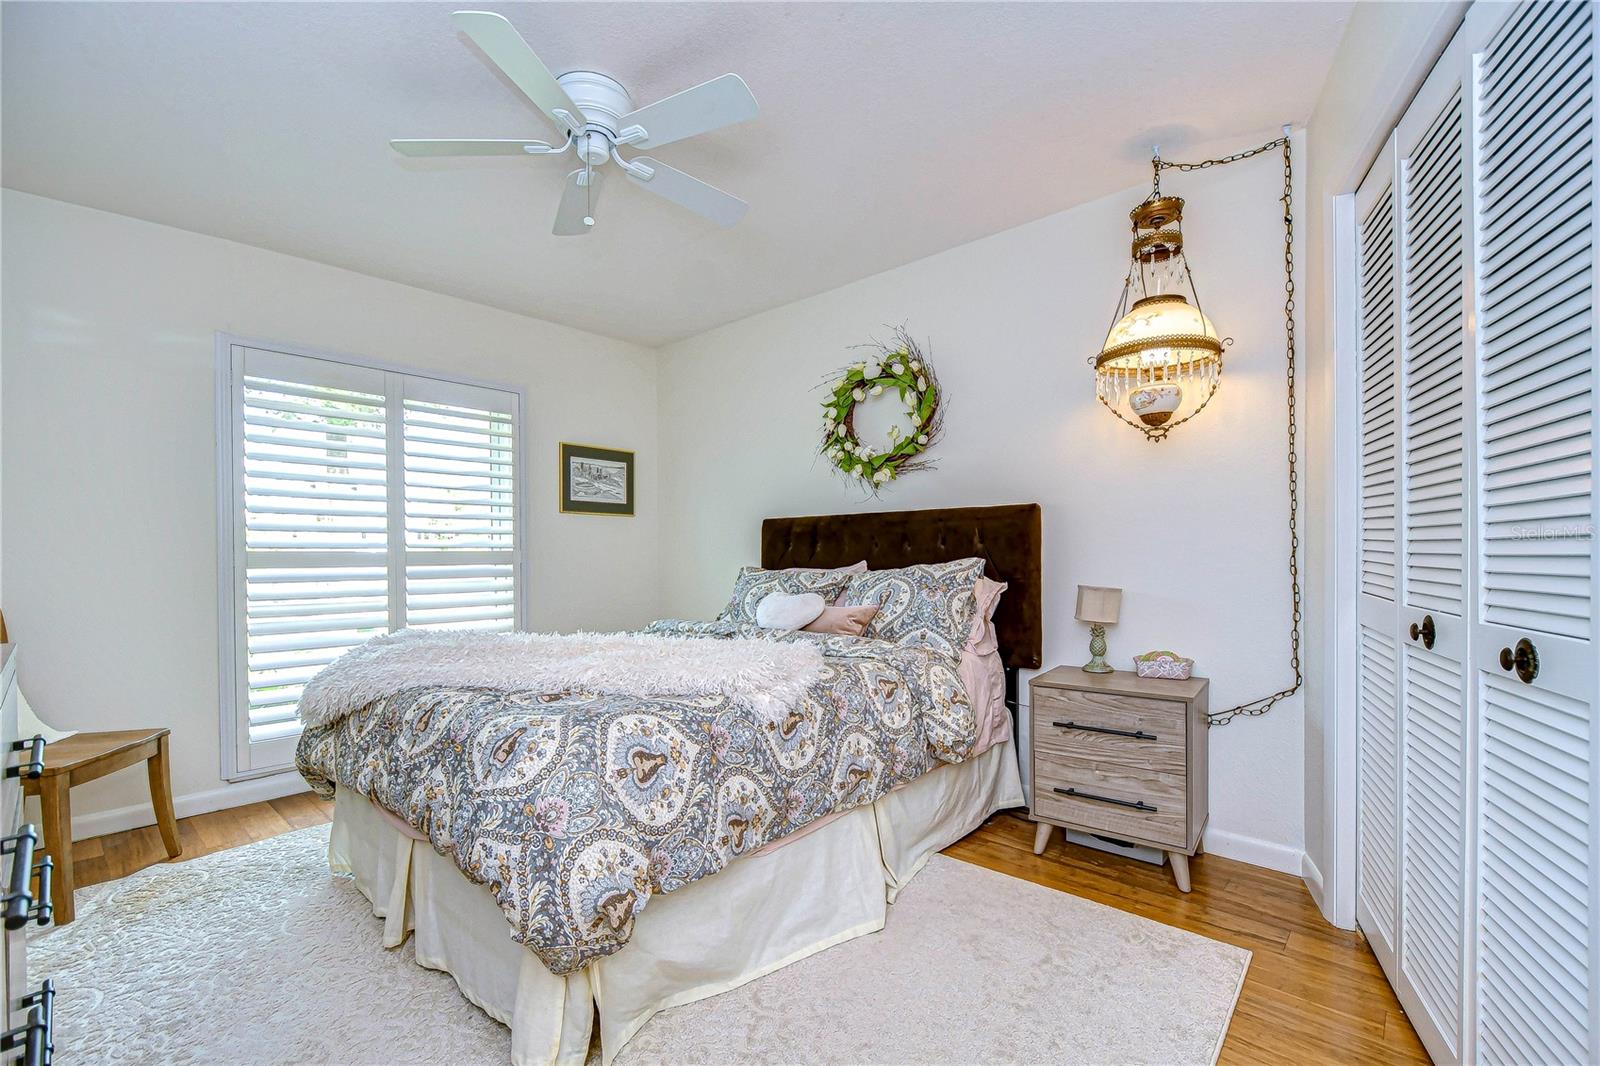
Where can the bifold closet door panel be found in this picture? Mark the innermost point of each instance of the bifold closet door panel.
(1479, 672)
(1378, 753)
(1535, 661)
(1435, 477)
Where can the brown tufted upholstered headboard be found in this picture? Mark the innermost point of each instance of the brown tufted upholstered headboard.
(1009, 537)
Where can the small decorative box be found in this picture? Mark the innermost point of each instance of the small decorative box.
(1166, 664)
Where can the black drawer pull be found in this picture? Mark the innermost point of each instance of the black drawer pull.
(1131, 734)
(33, 766)
(18, 901)
(43, 910)
(1138, 805)
(35, 1035)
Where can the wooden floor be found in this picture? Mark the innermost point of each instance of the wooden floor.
(1314, 993)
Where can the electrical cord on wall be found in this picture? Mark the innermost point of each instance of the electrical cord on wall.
(1261, 706)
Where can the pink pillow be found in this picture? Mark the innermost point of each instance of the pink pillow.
(853, 568)
(982, 672)
(848, 621)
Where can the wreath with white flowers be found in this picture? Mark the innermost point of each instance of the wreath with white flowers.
(900, 366)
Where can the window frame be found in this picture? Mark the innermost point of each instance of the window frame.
(238, 762)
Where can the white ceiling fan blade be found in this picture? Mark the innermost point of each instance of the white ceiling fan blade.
(708, 200)
(505, 47)
(708, 106)
(422, 149)
(576, 204)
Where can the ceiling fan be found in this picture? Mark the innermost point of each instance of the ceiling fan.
(596, 117)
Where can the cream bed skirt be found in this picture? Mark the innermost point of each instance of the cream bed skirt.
(759, 914)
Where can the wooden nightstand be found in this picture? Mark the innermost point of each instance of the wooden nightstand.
(1121, 756)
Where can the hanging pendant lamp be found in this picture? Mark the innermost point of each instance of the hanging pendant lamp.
(1162, 359)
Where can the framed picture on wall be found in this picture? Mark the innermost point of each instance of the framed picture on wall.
(596, 480)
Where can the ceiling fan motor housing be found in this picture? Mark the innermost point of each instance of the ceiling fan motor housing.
(603, 102)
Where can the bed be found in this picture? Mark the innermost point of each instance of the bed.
(755, 911)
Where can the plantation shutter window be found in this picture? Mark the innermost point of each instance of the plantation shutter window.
(356, 500)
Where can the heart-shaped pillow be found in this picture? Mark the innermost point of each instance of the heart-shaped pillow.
(789, 610)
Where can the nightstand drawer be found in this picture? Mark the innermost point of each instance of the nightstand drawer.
(1127, 731)
(1145, 805)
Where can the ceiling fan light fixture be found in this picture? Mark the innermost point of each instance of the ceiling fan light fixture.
(596, 115)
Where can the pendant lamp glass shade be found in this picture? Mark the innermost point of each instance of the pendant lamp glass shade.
(1162, 357)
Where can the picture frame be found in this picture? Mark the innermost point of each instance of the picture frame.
(595, 480)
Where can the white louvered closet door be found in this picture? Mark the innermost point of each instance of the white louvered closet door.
(1477, 708)
(1378, 326)
(1536, 855)
(1435, 421)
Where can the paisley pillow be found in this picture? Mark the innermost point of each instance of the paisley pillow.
(755, 584)
(931, 604)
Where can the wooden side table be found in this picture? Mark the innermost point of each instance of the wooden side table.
(85, 757)
(1121, 756)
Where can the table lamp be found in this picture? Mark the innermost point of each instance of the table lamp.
(1099, 607)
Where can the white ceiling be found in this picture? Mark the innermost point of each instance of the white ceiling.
(888, 132)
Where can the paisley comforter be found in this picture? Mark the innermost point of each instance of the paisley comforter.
(574, 808)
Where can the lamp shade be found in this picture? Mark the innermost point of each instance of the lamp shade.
(1160, 333)
(1099, 604)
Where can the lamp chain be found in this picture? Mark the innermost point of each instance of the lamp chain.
(1266, 703)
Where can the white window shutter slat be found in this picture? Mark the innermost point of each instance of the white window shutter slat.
(296, 436)
(459, 473)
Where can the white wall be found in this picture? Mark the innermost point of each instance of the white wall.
(110, 474)
(1192, 529)
(1386, 52)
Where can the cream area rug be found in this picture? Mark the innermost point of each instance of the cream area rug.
(259, 955)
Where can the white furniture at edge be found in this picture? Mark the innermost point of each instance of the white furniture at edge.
(1478, 857)
(29, 1012)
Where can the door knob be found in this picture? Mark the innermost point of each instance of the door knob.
(1425, 631)
(1525, 660)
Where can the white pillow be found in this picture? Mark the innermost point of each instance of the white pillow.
(789, 610)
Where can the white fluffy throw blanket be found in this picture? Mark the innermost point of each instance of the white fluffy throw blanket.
(759, 674)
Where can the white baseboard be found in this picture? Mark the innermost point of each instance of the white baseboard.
(1254, 851)
(237, 794)
(1313, 879)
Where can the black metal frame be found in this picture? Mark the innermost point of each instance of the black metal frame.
(31, 768)
(34, 1036)
(1138, 805)
(1131, 734)
(17, 904)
